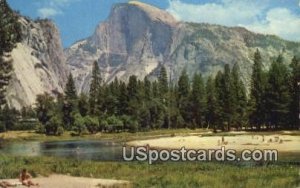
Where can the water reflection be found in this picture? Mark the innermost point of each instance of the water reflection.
(79, 149)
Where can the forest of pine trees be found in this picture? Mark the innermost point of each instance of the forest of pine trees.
(218, 103)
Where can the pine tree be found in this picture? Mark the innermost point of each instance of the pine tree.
(258, 92)
(219, 100)
(163, 83)
(211, 103)
(123, 99)
(198, 100)
(295, 93)
(239, 104)
(132, 91)
(183, 97)
(95, 89)
(83, 105)
(70, 102)
(70, 89)
(147, 89)
(278, 96)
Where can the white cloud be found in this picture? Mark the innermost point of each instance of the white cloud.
(48, 12)
(51, 8)
(279, 21)
(255, 15)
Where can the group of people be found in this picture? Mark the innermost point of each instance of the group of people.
(25, 179)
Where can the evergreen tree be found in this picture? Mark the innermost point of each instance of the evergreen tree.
(258, 92)
(83, 105)
(220, 100)
(278, 96)
(183, 97)
(198, 100)
(69, 106)
(239, 104)
(70, 89)
(45, 108)
(163, 84)
(95, 89)
(295, 93)
(123, 99)
(229, 98)
(147, 89)
(132, 91)
(211, 103)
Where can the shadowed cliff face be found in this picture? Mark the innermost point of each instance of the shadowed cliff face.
(39, 63)
(135, 39)
(138, 39)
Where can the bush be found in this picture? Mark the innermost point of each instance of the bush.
(60, 131)
(114, 124)
(2, 127)
(92, 124)
(40, 128)
(79, 125)
(134, 126)
(52, 126)
(103, 125)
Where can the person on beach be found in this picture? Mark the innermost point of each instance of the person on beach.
(25, 179)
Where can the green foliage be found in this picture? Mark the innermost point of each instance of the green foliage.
(70, 89)
(198, 98)
(278, 94)
(295, 93)
(79, 125)
(114, 124)
(44, 108)
(52, 127)
(258, 92)
(2, 127)
(95, 89)
(167, 174)
(92, 124)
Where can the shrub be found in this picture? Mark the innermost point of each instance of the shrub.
(92, 124)
(60, 131)
(114, 124)
(51, 126)
(79, 125)
(2, 127)
(40, 128)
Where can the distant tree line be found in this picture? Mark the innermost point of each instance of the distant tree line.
(219, 103)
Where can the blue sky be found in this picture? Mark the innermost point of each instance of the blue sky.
(77, 19)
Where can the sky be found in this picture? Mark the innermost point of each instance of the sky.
(77, 19)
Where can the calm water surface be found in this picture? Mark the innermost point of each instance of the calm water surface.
(78, 149)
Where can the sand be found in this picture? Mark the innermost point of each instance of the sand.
(282, 143)
(62, 181)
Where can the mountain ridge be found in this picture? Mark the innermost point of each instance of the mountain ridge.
(132, 41)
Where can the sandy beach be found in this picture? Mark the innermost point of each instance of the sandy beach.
(62, 181)
(282, 143)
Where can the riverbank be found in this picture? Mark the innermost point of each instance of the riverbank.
(168, 174)
(282, 143)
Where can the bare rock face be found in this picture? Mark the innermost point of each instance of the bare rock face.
(39, 63)
(135, 39)
(138, 39)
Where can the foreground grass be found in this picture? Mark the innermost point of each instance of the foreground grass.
(158, 175)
